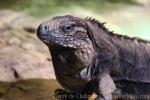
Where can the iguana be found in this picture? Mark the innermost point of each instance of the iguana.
(88, 58)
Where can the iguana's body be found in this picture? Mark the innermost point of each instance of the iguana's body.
(88, 58)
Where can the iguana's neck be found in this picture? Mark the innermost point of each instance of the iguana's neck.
(75, 59)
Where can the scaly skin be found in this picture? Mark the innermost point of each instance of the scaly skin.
(88, 58)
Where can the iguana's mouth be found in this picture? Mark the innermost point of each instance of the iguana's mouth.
(59, 41)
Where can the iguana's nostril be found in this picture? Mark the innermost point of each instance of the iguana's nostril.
(42, 30)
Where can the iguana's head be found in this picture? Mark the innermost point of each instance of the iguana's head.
(67, 33)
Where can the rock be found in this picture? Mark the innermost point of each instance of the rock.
(22, 56)
(23, 66)
(23, 61)
(28, 46)
(14, 41)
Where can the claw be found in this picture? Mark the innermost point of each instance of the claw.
(61, 94)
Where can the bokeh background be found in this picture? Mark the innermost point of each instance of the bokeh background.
(25, 64)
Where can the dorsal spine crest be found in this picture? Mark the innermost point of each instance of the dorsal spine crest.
(102, 25)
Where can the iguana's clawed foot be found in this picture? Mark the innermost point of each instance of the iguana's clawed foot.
(61, 94)
(64, 95)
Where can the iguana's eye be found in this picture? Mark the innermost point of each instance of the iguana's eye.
(68, 28)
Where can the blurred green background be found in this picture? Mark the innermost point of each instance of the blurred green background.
(47, 7)
(134, 21)
(30, 60)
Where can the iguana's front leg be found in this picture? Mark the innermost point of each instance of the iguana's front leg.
(105, 86)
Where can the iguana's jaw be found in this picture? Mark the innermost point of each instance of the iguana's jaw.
(55, 39)
(81, 49)
(62, 41)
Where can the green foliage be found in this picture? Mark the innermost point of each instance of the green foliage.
(122, 1)
(46, 7)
